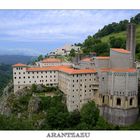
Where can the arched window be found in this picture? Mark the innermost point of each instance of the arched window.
(118, 101)
(131, 101)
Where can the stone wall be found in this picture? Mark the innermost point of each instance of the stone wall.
(121, 117)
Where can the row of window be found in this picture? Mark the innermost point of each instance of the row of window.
(39, 81)
(77, 75)
(119, 102)
(76, 102)
(130, 93)
(81, 90)
(81, 80)
(19, 73)
(36, 72)
(18, 68)
(81, 85)
(36, 77)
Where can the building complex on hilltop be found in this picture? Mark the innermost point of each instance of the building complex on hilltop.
(65, 50)
(112, 82)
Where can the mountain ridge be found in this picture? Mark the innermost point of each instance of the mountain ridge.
(12, 59)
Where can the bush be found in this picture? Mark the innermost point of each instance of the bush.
(89, 113)
(34, 88)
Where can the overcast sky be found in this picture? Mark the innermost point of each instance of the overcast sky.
(34, 32)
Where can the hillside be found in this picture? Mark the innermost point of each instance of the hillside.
(12, 59)
(112, 35)
(122, 35)
(5, 76)
(103, 44)
(43, 108)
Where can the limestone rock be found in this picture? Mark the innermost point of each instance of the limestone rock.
(34, 105)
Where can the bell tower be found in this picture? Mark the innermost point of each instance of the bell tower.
(131, 41)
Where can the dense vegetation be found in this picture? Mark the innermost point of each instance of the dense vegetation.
(111, 36)
(44, 108)
(116, 27)
(35, 109)
(5, 76)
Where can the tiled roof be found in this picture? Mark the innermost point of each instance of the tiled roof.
(65, 69)
(120, 50)
(19, 65)
(86, 59)
(102, 57)
(77, 71)
(51, 60)
(118, 70)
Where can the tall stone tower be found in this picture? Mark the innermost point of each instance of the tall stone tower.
(118, 86)
(131, 41)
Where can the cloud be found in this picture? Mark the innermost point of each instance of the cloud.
(56, 25)
(49, 25)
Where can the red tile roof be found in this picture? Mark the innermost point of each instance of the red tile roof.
(51, 60)
(77, 71)
(120, 50)
(86, 59)
(65, 69)
(19, 65)
(102, 57)
(118, 70)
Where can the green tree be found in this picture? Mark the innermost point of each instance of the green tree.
(74, 118)
(5, 76)
(34, 88)
(83, 126)
(117, 42)
(102, 124)
(72, 53)
(89, 113)
(135, 19)
(40, 57)
(57, 119)
(101, 49)
(90, 44)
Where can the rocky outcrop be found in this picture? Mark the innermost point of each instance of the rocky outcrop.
(34, 105)
(5, 108)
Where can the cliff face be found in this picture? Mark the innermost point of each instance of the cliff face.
(5, 108)
(21, 104)
(28, 105)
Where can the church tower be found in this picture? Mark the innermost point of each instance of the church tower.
(131, 41)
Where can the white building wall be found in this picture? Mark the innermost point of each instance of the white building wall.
(101, 63)
(79, 88)
(103, 82)
(123, 86)
(120, 60)
(23, 78)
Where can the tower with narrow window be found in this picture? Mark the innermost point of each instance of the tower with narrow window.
(118, 85)
(131, 40)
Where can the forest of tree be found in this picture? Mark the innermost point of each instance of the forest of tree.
(95, 44)
(50, 114)
(116, 27)
(5, 76)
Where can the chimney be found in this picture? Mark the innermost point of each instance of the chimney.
(131, 40)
